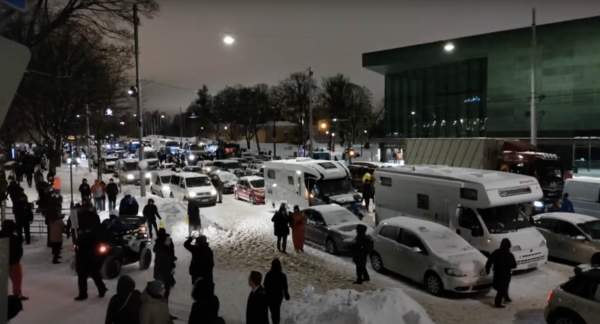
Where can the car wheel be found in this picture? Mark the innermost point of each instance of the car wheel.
(564, 318)
(111, 267)
(330, 246)
(377, 262)
(433, 284)
(145, 258)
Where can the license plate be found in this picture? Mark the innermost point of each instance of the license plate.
(532, 265)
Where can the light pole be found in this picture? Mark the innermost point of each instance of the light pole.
(138, 96)
(310, 114)
(532, 113)
(71, 138)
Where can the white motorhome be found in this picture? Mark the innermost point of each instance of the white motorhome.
(482, 206)
(306, 182)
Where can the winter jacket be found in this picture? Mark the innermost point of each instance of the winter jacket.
(281, 222)
(276, 286)
(503, 262)
(154, 310)
(22, 210)
(193, 214)
(124, 306)
(164, 261)
(13, 190)
(112, 190)
(85, 190)
(205, 310)
(150, 213)
(368, 191)
(55, 231)
(361, 248)
(15, 247)
(567, 206)
(128, 206)
(202, 263)
(257, 308)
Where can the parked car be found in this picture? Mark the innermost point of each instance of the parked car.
(569, 236)
(331, 226)
(429, 253)
(251, 189)
(227, 178)
(194, 186)
(160, 183)
(256, 168)
(584, 193)
(227, 165)
(577, 301)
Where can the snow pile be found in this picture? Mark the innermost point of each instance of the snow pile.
(350, 307)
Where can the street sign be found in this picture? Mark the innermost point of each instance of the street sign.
(17, 4)
(14, 58)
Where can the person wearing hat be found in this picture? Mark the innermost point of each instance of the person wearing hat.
(361, 249)
(124, 306)
(150, 213)
(155, 309)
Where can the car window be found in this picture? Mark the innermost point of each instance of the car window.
(175, 180)
(567, 229)
(582, 286)
(389, 232)
(468, 219)
(549, 224)
(411, 240)
(423, 201)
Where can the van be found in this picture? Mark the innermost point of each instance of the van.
(584, 192)
(482, 206)
(193, 186)
(160, 183)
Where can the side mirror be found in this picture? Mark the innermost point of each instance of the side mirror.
(417, 249)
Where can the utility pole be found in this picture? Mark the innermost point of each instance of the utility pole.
(310, 114)
(274, 139)
(138, 97)
(532, 111)
(87, 136)
(180, 128)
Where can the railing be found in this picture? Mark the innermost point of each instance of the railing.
(38, 225)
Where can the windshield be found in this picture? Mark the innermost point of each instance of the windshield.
(504, 219)
(333, 187)
(130, 166)
(165, 179)
(339, 217)
(259, 183)
(195, 147)
(197, 182)
(445, 242)
(592, 229)
(150, 155)
(226, 176)
(171, 144)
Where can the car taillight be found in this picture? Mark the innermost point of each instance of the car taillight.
(550, 296)
(103, 249)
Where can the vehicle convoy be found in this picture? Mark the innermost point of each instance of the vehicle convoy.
(251, 189)
(306, 182)
(429, 253)
(572, 237)
(482, 206)
(129, 171)
(584, 193)
(490, 154)
(150, 159)
(194, 186)
(577, 301)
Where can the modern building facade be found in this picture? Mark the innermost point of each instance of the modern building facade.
(480, 85)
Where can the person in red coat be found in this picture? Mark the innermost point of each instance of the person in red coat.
(298, 222)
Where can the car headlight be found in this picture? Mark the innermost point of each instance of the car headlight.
(454, 272)
(165, 187)
(78, 160)
(130, 176)
(543, 243)
(538, 204)
(192, 194)
(148, 175)
(192, 157)
(69, 160)
(213, 192)
(208, 169)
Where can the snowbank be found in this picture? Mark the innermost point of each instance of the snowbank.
(351, 307)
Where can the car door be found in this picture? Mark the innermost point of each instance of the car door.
(387, 246)
(568, 246)
(414, 262)
(469, 227)
(547, 227)
(245, 189)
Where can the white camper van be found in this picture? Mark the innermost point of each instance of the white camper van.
(480, 205)
(306, 182)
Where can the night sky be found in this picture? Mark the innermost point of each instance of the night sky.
(182, 49)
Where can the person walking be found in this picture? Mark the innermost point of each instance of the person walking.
(84, 190)
(368, 192)
(38, 179)
(150, 213)
(276, 287)
(257, 308)
(29, 168)
(54, 220)
(128, 206)
(502, 261)
(202, 264)
(87, 262)
(112, 191)
(124, 306)
(155, 307)
(15, 253)
(361, 249)
(13, 190)
(164, 261)
(98, 191)
(23, 211)
(205, 308)
(567, 205)
(281, 222)
(298, 222)
(219, 185)
(194, 221)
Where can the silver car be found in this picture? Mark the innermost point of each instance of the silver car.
(577, 301)
(429, 253)
(571, 237)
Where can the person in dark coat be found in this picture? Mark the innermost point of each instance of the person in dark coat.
(503, 262)
(112, 191)
(368, 192)
(85, 190)
(164, 260)
(15, 253)
(124, 306)
(257, 308)
(38, 179)
(13, 190)
(567, 205)
(23, 211)
(219, 185)
(202, 264)
(194, 221)
(150, 213)
(29, 168)
(128, 206)
(205, 309)
(361, 249)
(276, 287)
(281, 222)
(87, 260)
(54, 220)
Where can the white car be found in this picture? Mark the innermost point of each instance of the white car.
(194, 186)
(160, 183)
(429, 253)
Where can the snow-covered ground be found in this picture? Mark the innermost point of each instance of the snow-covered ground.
(241, 237)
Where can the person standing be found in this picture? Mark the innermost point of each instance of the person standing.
(567, 205)
(155, 308)
(98, 191)
(112, 191)
(298, 222)
(276, 287)
(164, 261)
(54, 219)
(15, 253)
(194, 221)
(124, 306)
(202, 264)
(368, 191)
(205, 308)
(361, 249)
(29, 167)
(281, 222)
(219, 185)
(13, 190)
(85, 190)
(150, 213)
(38, 179)
(87, 262)
(128, 206)
(257, 308)
(23, 211)
(503, 262)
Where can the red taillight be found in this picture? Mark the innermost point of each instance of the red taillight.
(550, 296)
(103, 249)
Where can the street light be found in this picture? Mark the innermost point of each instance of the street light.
(132, 91)
(228, 40)
(122, 123)
(323, 126)
(109, 111)
(78, 115)
(449, 47)
(225, 128)
(162, 116)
